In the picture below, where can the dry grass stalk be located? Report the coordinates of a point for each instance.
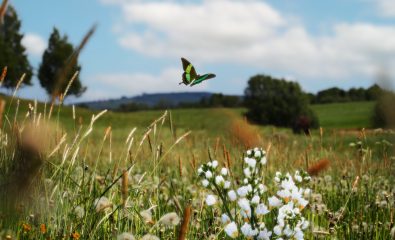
(2, 107)
(3, 75)
(124, 187)
(179, 166)
(3, 10)
(185, 223)
(224, 150)
(355, 183)
(193, 162)
(115, 170)
(318, 167)
(216, 146)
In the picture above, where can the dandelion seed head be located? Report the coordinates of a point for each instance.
(79, 212)
(125, 236)
(102, 203)
(170, 219)
(149, 237)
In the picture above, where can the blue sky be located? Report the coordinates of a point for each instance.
(138, 43)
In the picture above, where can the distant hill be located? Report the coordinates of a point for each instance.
(170, 99)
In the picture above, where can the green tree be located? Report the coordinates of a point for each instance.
(373, 92)
(12, 52)
(277, 102)
(58, 66)
(332, 95)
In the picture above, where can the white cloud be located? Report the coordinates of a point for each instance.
(386, 7)
(124, 84)
(35, 44)
(255, 34)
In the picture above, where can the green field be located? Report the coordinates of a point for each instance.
(345, 115)
(63, 178)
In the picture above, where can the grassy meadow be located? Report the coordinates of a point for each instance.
(76, 174)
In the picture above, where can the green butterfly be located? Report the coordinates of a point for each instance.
(190, 77)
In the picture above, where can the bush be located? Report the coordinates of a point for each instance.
(277, 102)
(383, 112)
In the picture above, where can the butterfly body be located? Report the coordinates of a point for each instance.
(190, 77)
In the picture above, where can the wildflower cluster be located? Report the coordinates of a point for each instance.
(248, 209)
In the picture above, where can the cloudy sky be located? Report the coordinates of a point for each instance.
(138, 43)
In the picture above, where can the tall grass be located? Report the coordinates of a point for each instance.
(91, 181)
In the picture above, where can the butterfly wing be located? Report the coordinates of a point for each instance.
(189, 72)
(184, 79)
(185, 63)
(202, 78)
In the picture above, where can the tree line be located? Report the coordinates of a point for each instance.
(58, 65)
(337, 95)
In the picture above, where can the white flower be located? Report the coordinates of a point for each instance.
(304, 224)
(274, 202)
(214, 163)
(277, 230)
(169, 219)
(262, 188)
(210, 200)
(149, 237)
(307, 193)
(205, 183)
(288, 231)
(302, 203)
(257, 154)
(125, 236)
(284, 194)
(200, 170)
(298, 178)
(263, 162)
(298, 235)
(232, 195)
(247, 172)
(264, 234)
(209, 174)
(102, 203)
(242, 191)
(219, 180)
(288, 183)
(231, 230)
(249, 152)
(244, 204)
(227, 184)
(79, 212)
(224, 171)
(247, 230)
(225, 219)
(250, 162)
(255, 200)
(262, 209)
